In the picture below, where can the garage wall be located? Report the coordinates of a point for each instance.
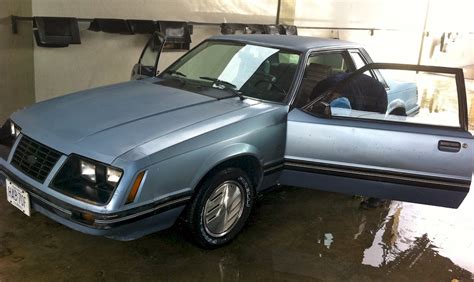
(108, 58)
(403, 21)
(16, 59)
(382, 45)
(456, 17)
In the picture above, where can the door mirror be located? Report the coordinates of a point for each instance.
(147, 66)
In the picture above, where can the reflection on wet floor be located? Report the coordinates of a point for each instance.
(413, 229)
(294, 234)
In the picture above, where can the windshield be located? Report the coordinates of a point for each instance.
(249, 70)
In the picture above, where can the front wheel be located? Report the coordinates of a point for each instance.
(220, 208)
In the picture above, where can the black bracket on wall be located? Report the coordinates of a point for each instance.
(240, 28)
(175, 42)
(60, 31)
(55, 31)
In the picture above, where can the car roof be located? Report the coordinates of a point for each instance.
(292, 42)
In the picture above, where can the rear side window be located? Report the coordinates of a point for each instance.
(288, 58)
(335, 61)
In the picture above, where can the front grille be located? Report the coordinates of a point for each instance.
(34, 159)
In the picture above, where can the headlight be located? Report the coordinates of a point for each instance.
(88, 170)
(8, 133)
(14, 130)
(87, 180)
(113, 175)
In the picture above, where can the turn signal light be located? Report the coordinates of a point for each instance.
(87, 217)
(136, 185)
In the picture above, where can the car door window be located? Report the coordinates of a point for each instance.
(319, 67)
(147, 65)
(428, 96)
(149, 57)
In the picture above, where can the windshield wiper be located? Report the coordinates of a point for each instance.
(224, 85)
(174, 74)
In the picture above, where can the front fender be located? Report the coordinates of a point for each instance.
(227, 153)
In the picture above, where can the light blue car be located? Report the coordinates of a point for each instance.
(233, 117)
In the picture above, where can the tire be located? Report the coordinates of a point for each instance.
(220, 208)
(399, 111)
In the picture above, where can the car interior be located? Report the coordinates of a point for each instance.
(273, 79)
(319, 68)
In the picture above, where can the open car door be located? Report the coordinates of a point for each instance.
(346, 141)
(147, 65)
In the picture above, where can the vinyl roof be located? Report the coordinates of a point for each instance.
(293, 42)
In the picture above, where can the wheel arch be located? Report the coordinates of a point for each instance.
(243, 156)
(396, 105)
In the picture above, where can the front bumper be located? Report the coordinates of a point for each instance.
(124, 225)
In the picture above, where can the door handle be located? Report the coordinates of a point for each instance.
(449, 146)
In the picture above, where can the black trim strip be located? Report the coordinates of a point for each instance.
(156, 207)
(107, 221)
(273, 167)
(378, 175)
(102, 221)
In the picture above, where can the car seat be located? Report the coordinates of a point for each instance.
(314, 73)
(365, 93)
(284, 74)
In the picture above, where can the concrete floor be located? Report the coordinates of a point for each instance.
(294, 234)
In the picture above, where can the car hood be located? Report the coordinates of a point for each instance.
(105, 122)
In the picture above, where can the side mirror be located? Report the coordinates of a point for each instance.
(147, 65)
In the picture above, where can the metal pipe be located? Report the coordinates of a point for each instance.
(424, 32)
(15, 19)
(277, 20)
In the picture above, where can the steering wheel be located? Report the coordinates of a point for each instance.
(271, 84)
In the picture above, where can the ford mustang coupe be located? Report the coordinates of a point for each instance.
(233, 117)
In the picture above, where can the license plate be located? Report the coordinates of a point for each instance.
(18, 197)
